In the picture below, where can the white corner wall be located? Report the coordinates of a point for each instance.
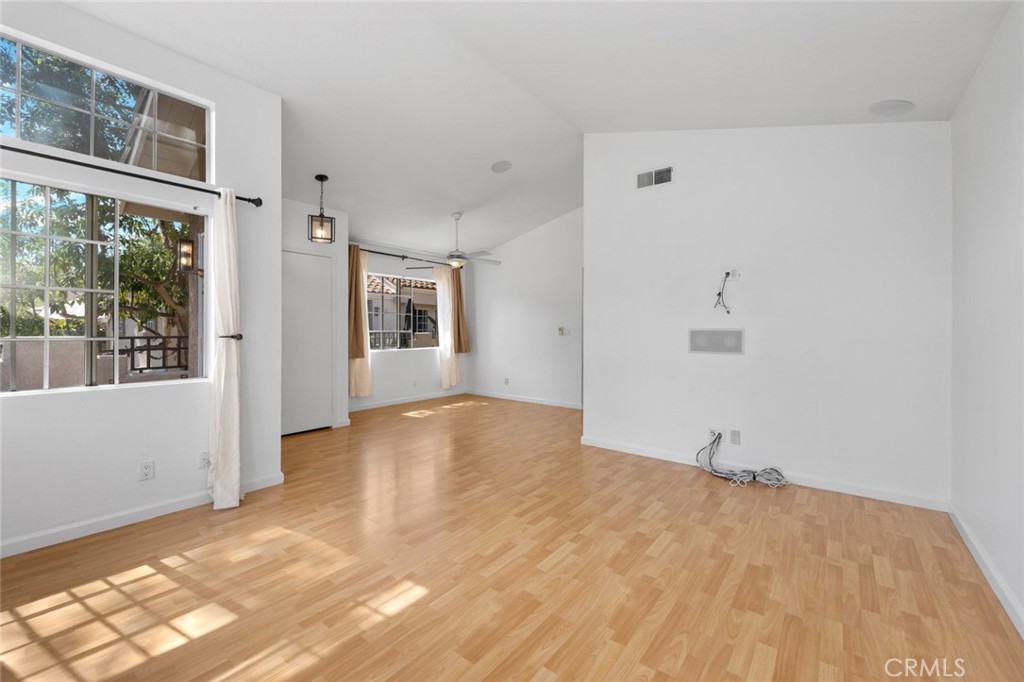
(70, 458)
(295, 238)
(988, 315)
(842, 236)
(519, 307)
(402, 376)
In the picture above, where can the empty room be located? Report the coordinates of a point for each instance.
(349, 341)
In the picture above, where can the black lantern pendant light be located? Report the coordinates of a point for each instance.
(321, 227)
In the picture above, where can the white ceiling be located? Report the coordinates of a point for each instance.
(406, 106)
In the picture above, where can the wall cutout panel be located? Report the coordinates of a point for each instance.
(728, 341)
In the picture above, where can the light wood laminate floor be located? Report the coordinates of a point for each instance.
(470, 538)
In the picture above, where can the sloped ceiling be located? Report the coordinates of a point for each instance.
(406, 106)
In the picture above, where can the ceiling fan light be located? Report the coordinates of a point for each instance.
(456, 261)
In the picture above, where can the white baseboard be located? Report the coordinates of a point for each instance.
(402, 401)
(98, 524)
(809, 480)
(1010, 602)
(527, 399)
(265, 482)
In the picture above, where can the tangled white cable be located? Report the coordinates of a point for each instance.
(770, 476)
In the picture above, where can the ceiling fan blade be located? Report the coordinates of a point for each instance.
(421, 267)
(478, 254)
(489, 261)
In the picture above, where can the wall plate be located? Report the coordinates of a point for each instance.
(721, 341)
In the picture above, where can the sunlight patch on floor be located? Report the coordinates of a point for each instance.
(396, 599)
(105, 627)
(296, 656)
(420, 414)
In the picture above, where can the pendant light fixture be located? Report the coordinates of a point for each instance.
(321, 227)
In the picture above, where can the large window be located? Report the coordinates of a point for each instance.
(50, 100)
(90, 293)
(402, 312)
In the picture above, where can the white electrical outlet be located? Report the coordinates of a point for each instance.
(712, 432)
(204, 460)
(147, 469)
(734, 437)
(734, 274)
(506, 381)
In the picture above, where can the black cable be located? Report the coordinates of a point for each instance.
(255, 201)
(720, 300)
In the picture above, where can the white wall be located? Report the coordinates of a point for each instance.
(70, 459)
(294, 228)
(842, 238)
(988, 315)
(519, 307)
(401, 376)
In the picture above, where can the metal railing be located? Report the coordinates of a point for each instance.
(148, 353)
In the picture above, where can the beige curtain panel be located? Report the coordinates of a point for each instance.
(450, 371)
(356, 305)
(359, 378)
(459, 326)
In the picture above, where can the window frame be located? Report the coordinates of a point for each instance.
(417, 318)
(93, 194)
(207, 148)
(412, 332)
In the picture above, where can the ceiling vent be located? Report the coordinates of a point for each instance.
(654, 177)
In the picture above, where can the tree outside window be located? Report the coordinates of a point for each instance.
(89, 291)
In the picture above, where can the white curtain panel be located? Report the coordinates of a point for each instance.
(224, 480)
(360, 380)
(445, 332)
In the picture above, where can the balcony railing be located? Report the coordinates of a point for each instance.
(148, 353)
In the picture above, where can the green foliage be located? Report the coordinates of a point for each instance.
(150, 289)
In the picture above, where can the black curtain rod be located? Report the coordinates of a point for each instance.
(402, 256)
(255, 201)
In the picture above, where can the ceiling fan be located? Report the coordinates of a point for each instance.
(457, 258)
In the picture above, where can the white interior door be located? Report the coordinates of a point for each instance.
(307, 365)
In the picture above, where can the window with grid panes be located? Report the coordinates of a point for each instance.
(401, 312)
(54, 101)
(89, 292)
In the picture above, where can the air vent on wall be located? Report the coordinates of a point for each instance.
(654, 177)
(728, 341)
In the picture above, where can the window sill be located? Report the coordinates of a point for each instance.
(105, 387)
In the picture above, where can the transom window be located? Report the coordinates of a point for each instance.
(57, 102)
(402, 312)
(90, 293)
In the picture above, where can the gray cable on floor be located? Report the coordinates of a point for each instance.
(770, 476)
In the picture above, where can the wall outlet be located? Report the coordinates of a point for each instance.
(506, 381)
(712, 432)
(734, 437)
(204, 460)
(561, 331)
(734, 274)
(147, 469)
(414, 383)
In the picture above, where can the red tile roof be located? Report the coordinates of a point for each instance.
(375, 286)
